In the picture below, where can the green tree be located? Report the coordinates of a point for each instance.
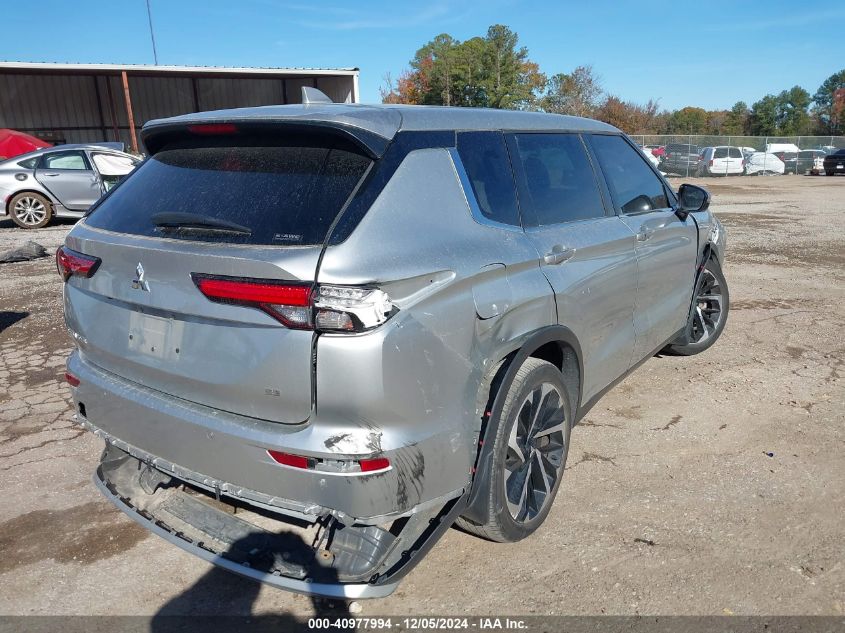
(829, 103)
(792, 113)
(736, 121)
(688, 120)
(763, 120)
(512, 79)
(577, 93)
(784, 114)
(434, 64)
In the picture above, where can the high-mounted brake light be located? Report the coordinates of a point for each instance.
(70, 262)
(296, 305)
(213, 129)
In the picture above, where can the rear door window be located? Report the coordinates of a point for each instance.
(237, 190)
(64, 160)
(721, 152)
(734, 152)
(485, 159)
(633, 185)
(558, 178)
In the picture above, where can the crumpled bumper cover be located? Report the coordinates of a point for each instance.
(324, 557)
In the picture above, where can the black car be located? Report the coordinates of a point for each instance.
(680, 158)
(790, 161)
(835, 163)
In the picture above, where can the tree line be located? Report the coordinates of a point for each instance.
(494, 71)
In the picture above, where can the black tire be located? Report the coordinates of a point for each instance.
(712, 284)
(539, 383)
(829, 172)
(30, 210)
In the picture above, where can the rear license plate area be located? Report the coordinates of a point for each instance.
(155, 337)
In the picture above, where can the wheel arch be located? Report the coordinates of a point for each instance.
(556, 344)
(43, 194)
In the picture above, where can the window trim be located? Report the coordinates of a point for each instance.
(463, 175)
(527, 211)
(472, 201)
(46, 155)
(667, 189)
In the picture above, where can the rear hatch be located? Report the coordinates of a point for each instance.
(224, 207)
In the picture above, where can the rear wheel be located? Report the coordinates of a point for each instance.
(531, 444)
(710, 313)
(829, 172)
(30, 210)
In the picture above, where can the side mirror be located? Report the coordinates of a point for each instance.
(692, 198)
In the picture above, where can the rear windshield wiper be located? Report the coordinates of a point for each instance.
(173, 220)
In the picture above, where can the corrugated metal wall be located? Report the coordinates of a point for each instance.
(89, 108)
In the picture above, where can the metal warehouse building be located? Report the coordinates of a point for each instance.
(77, 103)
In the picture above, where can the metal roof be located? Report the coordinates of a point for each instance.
(149, 69)
(387, 120)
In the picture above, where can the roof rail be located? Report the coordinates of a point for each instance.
(312, 95)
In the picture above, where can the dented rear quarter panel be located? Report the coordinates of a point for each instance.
(416, 379)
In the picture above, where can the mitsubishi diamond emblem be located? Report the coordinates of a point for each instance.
(140, 283)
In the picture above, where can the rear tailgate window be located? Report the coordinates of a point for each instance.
(283, 192)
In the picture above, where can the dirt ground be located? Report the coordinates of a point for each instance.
(705, 485)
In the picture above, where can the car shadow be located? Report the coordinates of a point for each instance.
(224, 601)
(9, 318)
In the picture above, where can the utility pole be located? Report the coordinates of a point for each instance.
(152, 37)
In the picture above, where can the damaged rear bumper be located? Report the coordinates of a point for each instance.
(324, 557)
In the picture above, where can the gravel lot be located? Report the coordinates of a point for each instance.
(705, 485)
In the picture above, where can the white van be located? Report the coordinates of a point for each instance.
(723, 160)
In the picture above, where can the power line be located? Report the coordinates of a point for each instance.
(152, 37)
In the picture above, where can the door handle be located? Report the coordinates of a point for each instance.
(644, 234)
(558, 255)
(51, 175)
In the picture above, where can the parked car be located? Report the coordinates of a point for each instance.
(61, 182)
(834, 163)
(14, 143)
(763, 164)
(364, 323)
(650, 156)
(790, 161)
(722, 160)
(811, 160)
(681, 159)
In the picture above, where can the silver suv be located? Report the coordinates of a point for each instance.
(314, 337)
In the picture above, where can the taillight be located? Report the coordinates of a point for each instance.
(711, 162)
(70, 262)
(290, 304)
(325, 308)
(72, 380)
(348, 309)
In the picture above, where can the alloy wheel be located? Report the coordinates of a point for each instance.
(708, 308)
(536, 448)
(30, 211)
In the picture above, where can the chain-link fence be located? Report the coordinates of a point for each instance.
(710, 155)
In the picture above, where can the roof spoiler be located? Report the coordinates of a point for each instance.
(157, 137)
